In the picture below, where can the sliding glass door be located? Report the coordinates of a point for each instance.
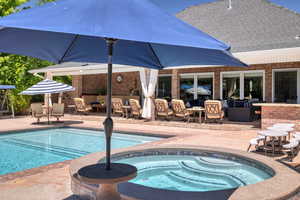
(285, 86)
(196, 86)
(164, 87)
(243, 85)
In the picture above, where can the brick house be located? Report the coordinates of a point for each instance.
(262, 34)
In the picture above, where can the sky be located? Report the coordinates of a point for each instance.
(175, 6)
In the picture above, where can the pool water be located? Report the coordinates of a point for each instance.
(26, 150)
(193, 173)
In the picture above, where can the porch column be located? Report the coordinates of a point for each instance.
(77, 82)
(268, 84)
(217, 85)
(175, 84)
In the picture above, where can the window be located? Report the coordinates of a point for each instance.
(197, 87)
(231, 87)
(187, 88)
(164, 87)
(205, 88)
(253, 86)
(285, 86)
(243, 85)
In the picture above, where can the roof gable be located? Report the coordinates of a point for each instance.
(250, 25)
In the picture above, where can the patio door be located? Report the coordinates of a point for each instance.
(286, 89)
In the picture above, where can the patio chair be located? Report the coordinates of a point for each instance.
(136, 109)
(58, 110)
(213, 110)
(255, 142)
(291, 148)
(296, 135)
(180, 110)
(117, 105)
(162, 108)
(80, 106)
(37, 111)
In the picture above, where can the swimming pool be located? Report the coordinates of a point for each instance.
(194, 172)
(30, 149)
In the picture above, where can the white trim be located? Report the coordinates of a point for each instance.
(213, 87)
(241, 75)
(269, 56)
(195, 87)
(242, 85)
(286, 70)
(164, 75)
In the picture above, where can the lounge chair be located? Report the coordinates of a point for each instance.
(136, 109)
(180, 110)
(255, 142)
(58, 110)
(117, 105)
(80, 106)
(37, 111)
(291, 148)
(213, 110)
(162, 108)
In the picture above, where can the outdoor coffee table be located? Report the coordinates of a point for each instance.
(108, 179)
(197, 109)
(273, 134)
(97, 106)
(126, 109)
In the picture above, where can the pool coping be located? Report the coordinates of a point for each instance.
(284, 184)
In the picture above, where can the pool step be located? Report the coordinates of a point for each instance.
(33, 145)
(183, 178)
(229, 179)
(216, 165)
(158, 167)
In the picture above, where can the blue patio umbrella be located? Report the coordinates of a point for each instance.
(85, 31)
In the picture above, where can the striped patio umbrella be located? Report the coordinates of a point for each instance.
(47, 87)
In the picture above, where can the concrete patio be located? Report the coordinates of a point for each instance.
(39, 183)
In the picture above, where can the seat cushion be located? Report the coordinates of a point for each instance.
(292, 144)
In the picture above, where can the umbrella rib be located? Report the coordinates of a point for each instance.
(69, 48)
(155, 55)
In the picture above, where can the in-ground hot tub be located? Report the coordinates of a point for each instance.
(196, 173)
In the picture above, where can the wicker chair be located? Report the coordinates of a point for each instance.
(80, 106)
(136, 109)
(213, 110)
(37, 111)
(117, 105)
(58, 110)
(180, 110)
(162, 108)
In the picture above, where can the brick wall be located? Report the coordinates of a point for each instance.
(90, 84)
(93, 84)
(273, 115)
(268, 75)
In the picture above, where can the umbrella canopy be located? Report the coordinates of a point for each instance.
(70, 30)
(87, 31)
(47, 87)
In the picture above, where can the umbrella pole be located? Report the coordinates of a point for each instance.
(108, 123)
(48, 113)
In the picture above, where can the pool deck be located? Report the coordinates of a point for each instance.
(40, 183)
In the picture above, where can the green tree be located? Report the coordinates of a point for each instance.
(9, 6)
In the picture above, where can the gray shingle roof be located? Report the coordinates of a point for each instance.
(250, 25)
